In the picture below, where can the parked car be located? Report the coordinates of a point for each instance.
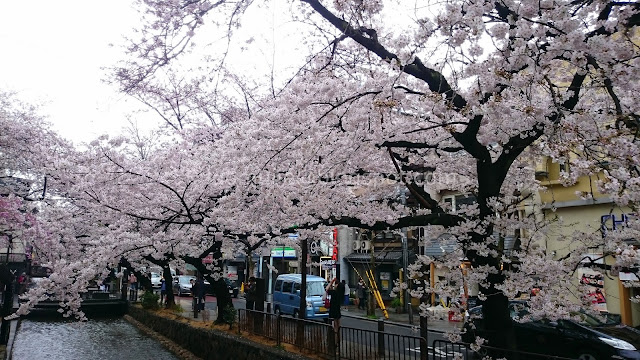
(182, 284)
(286, 296)
(155, 280)
(584, 337)
(233, 288)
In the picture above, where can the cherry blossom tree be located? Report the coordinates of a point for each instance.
(470, 93)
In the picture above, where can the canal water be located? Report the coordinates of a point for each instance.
(104, 339)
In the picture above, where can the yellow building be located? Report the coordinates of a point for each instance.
(569, 211)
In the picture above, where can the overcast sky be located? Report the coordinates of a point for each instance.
(52, 52)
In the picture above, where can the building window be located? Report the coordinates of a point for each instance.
(455, 202)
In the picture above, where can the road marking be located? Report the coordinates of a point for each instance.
(438, 352)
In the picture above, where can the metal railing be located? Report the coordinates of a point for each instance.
(320, 338)
(445, 350)
(305, 334)
(369, 344)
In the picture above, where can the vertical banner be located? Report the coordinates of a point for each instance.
(334, 255)
(594, 281)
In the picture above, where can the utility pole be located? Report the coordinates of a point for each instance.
(405, 261)
(303, 274)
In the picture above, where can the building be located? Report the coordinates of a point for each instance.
(596, 213)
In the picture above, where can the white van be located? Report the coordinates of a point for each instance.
(286, 296)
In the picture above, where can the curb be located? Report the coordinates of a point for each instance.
(444, 328)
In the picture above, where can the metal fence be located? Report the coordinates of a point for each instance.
(369, 344)
(312, 336)
(320, 338)
(352, 343)
(445, 350)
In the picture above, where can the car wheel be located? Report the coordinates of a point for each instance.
(587, 355)
(295, 313)
(179, 292)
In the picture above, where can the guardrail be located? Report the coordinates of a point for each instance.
(320, 338)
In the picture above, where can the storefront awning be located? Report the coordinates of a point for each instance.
(384, 257)
(446, 244)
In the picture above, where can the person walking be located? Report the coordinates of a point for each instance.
(163, 290)
(250, 293)
(336, 291)
(194, 297)
(360, 294)
(133, 287)
(201, 289)
(346, 292)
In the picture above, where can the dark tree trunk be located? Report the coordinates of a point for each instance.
(223, 297)
(495, 309)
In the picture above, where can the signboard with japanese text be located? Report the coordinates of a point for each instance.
(279, 251)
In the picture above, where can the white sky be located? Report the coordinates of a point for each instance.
(51, 53)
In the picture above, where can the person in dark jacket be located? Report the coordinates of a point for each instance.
(250, 293)
(336, 291)
(163, 290)
(361, 290)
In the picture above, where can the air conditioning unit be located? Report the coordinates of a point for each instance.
(356, 245)
(365, 245)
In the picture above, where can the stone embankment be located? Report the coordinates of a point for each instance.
(190, 342)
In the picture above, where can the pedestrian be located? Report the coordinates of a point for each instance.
(336, 291)
(360, 294)
(250, 293)
(133, 286)
(346, 292)
(163, 290)
(201, 290)
(194, 297)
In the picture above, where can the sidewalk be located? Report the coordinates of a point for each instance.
(433, 323)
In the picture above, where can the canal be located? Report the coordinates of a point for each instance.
(94, 339)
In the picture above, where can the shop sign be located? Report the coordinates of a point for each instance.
(327, 264)
(208, 259)
(279, 252)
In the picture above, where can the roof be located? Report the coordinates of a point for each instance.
(442, 245)
(446, 244)
(382, 257)
(299, 277)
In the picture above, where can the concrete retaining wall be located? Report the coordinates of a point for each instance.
(209, 344)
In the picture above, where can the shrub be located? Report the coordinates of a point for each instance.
(177, 308)
(229, 316)
(149, 300)
(396, 302)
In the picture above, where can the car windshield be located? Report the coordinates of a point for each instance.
(155, 275)
(315, 288)
(184, 280)
(586, 319)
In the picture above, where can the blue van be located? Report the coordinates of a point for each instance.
(286, 296)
